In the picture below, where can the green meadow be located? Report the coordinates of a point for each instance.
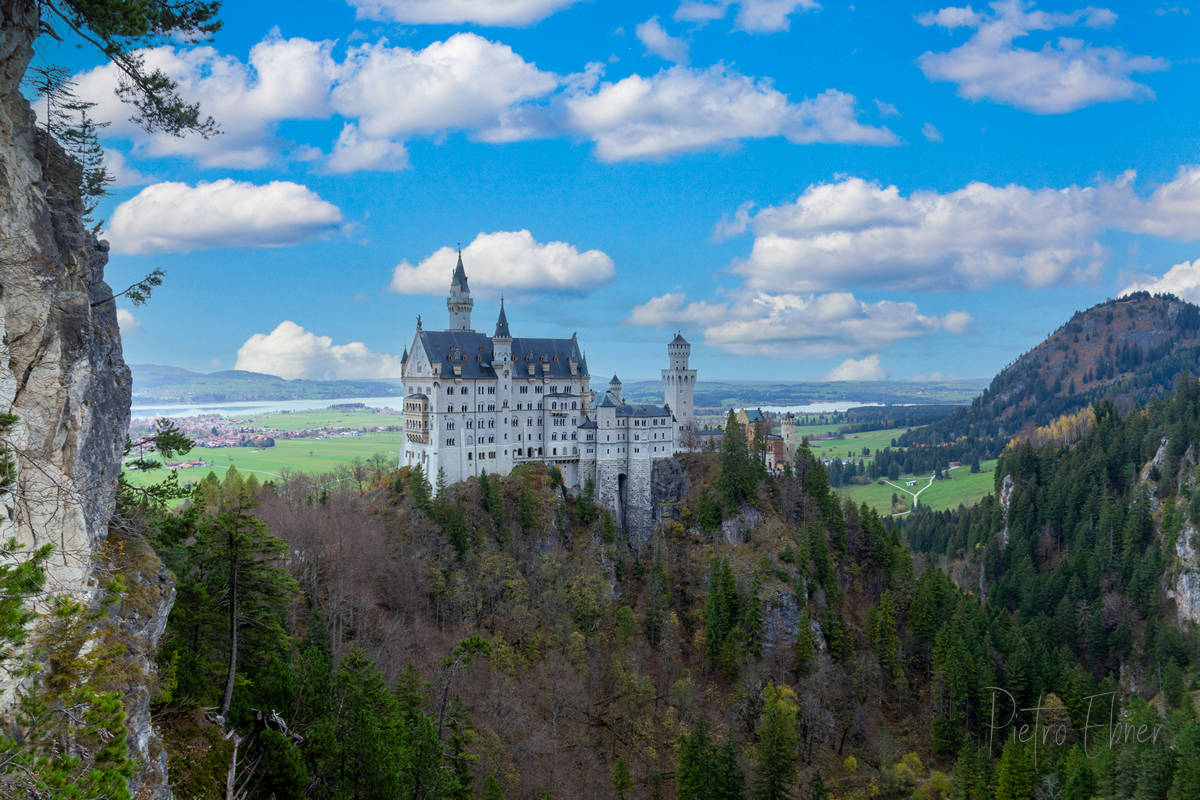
(962, 488)
(315, 456)
(852, 445)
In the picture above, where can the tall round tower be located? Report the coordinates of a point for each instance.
(679, 386)
(459, 302)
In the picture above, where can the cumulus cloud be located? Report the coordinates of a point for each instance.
(1181, 280)
(127, 322)
(456, 12)
(465, 82)
(858, 369)
(353, 152)
(177, 218)
(789, 325)
(291, 352)
(1061, 76)
(282, 79)
(122, 172)
(856, 232)
(662, 44)
(957, 321)
(682, 109)
(753, 16)
(508, 260)
(931, 133)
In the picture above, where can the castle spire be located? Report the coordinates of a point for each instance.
(502, 324)
(459, 302)
(460, 275)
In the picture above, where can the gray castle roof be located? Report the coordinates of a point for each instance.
(473, 352)
(502, 324)
(679, 340)
(460, 275)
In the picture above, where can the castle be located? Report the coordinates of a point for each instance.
(476, 403)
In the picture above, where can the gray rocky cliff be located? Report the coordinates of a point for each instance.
(61, 369)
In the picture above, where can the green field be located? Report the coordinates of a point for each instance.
(963, 488)
(314, 456)
(852, 445)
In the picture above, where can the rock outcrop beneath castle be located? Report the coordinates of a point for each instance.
(61, 372)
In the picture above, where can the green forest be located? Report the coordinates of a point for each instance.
(502, 639)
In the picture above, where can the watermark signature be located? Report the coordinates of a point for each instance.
(1050, 726)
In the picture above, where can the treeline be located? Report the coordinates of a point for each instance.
(498, 638)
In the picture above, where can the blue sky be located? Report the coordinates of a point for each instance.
(807, 190)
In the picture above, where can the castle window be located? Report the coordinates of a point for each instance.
(469, 456)
(449, 443)
(450, 425)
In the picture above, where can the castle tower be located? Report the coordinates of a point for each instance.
(679, 386)
(459, 303)
(614, 389)
(501, 340)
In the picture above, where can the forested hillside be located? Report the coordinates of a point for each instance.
(364, 640)
(1128, 350)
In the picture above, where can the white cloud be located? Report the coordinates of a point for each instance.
(127, 322)
(291, 352)
(455, 12)
(861, 369)
(122, 172)
(1062, 76)
(854, 232)
(282, 79)
(789, 325)
(508, 260)
(1181, 280)
(753, 16)
(886, 109)
(957, 321)
(353, 152)
(662, 44)
(681, 109)
(931, 133)
(465, 82)
(176, 217)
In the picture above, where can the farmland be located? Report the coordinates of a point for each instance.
(960, 488)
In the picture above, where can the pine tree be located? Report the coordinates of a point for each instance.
(244, 562)
(1015, 775)
(735, 482)
(775, 770)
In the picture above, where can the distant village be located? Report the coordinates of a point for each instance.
(216, 431)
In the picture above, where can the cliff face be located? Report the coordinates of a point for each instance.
(61, 369)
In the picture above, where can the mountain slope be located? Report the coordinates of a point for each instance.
(1128, 350)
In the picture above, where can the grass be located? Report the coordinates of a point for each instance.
(314, 456)
(852, 445)
(963, 488)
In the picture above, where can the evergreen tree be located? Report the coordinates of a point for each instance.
(735, 481)
(775, 770)
(1014, 774)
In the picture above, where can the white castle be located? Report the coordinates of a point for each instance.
(476, 403)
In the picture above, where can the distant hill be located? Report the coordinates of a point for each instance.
(727, 394)
(1128, 350)
(153, 383)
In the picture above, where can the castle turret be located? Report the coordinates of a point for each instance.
(679, 387)
(459, 302)
(502, 339)
(614, 389)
